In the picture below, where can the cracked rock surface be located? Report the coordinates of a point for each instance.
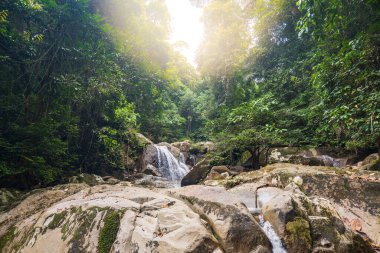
(124, 218)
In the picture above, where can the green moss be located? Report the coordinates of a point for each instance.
(87, 220)
(232, 182)
(7, 237)
(57, 220)
(109, 231)
(298, 235)
(375, 165)
(306, 205)
(338, 171)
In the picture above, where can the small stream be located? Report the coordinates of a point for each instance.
(272, 236)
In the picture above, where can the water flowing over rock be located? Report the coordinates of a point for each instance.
(268, 210)
(182, 158)
(272, 236)
(169, 166)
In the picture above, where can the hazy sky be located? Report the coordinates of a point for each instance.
(186, 26)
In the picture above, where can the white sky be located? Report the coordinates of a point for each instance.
(186, 26)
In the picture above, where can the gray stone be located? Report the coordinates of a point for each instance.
(230, 220)
(151, 170)
(197, 173)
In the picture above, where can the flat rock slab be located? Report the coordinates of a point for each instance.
(148, 222)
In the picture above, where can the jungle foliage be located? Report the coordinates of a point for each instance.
(308, 76)
(78, 79)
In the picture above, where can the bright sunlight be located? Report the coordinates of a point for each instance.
(186, 26)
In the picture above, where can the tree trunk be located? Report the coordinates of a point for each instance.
(255, 153)
(267, 155)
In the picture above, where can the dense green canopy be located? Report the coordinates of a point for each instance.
(309, 76)
(78, 79)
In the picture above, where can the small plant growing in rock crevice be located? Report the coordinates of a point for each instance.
(109, 231)
(85, 218)
(57, 220)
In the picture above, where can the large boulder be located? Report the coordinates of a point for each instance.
(323, 160)
(323, 234)
(202, 147)
(174, 150)
(308, 209)
(183, 146)
(277, 209)
(371, 162)
(151, 170)
(148, 156)
(283, 154)
(197, 173)
(228, 217)
(308, 224)
(110, 219)
(8, 197)
(34, 202)
(352, 194)
(143, 140)
(305, 156)
(312, 161)
(220, 172)
(198, 151)
(90, 179)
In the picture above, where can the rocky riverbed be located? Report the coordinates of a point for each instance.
(310, 209)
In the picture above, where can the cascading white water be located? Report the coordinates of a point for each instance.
(182, 158)
(169, 166)
(272, 236)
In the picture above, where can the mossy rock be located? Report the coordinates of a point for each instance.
(6, 238)
(142, 141)
(196, 149)
(109, 231)
(78, 238)
(298, 238)
(90, 179)
(231, 183)
(375, 165)
(57, 220)
(9, 197)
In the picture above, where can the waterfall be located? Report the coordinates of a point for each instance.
(182, 158)
(272, 236)
(169, 166)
